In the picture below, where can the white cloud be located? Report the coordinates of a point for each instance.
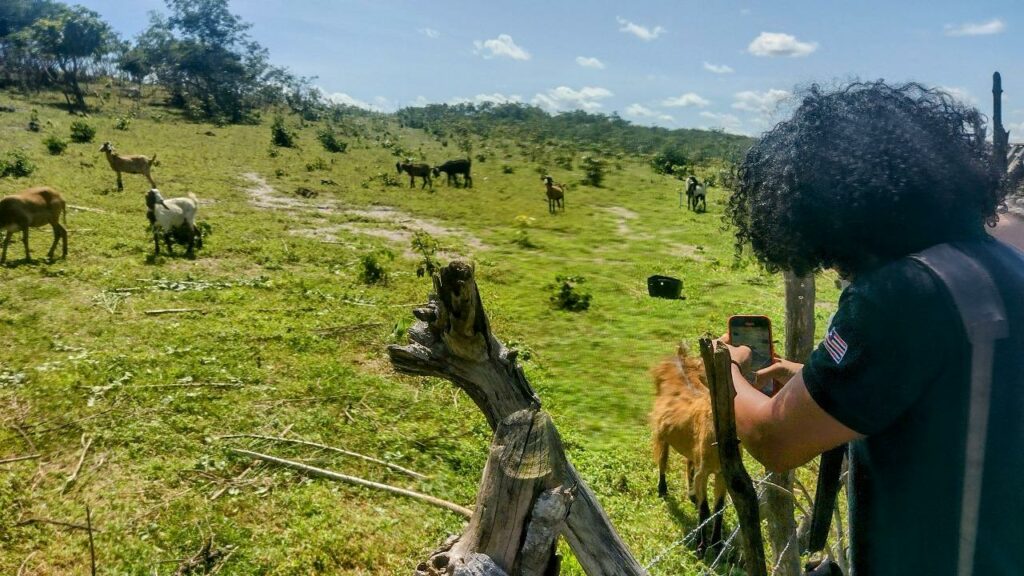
(501, 46)
(590, 62)
(961, 94)
(780, 44)
(718, 68)
(993, 26)
(496, 98)
(430, 33)
(760, 102)
(728, 122)
(641, 32)
(346, 100)
(641, 111)
(684, 100)
(565, 98)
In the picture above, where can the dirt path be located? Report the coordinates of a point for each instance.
(384, 222)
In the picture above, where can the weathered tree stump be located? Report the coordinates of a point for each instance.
(529, 492)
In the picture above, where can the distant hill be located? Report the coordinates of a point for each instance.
(599, 132)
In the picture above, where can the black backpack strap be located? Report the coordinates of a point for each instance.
(984, 319)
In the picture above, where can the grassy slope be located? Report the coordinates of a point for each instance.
(81, 360)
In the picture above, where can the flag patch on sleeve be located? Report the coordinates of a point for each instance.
(835, 345)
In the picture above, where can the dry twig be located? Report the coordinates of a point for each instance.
(161, 311)
(19, 458)
(78, 467)
(320, 472)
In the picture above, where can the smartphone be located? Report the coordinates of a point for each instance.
(754, 332)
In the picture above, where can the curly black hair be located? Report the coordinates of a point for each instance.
(864, 174)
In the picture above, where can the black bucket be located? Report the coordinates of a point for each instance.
(665, 287)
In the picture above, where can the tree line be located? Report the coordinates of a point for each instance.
(199, 53)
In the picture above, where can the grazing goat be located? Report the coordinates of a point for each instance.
(555, 193)
(173, 219)
(695, 194)
(32, 208)
(134, 164)
(452, 169)
(682, 419)
(414, 170)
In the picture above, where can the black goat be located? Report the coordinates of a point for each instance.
(695, 194)
(452, 169)
(414, 170)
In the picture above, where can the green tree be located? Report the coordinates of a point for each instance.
(71, 40)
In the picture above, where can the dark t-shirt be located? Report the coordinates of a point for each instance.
(894, 366)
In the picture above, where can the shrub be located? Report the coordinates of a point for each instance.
(522, 237)
(567, 295)
(593, 170)
(33, 121)
(16, 164)
(330, 141)
(371, 267)
(506, 169)
(280, 135)
(426, 246)
(318, 164)
(564, 162)
(55, 145)
(82, 132)
(123, 123)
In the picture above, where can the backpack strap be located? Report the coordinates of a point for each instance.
(984, 319)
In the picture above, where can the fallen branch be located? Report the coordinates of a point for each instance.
(87, 209)
(190, 385)
(395, 467)
(92, 548)
(19, 458)
(78, 467)
(71, 525)
(320, 472)
(173, 311)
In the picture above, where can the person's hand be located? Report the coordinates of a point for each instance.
(781, 371)
(738, 354)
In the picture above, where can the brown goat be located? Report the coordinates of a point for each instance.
(681, 418)
(414, 170)
(32, 208)
(134, 164)
(555, 193)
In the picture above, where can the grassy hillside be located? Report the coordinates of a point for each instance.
(288, 339)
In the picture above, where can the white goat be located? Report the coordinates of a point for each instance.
(173, 219)
(134, 164)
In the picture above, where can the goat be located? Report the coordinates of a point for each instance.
(414, 170)
(173, 219)
(695, 193)
(32, 208)
(555, 193)
(452, 169)
(682, 419)
(134, 164)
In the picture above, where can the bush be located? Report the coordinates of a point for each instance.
(522, 237)
(426, 246)
(567, 295)
(318, 164)
(16, 164)
(280, 135)
(82, 132)
(593, 170)
(506, 169)
(330, 141)
(33, 121)
(371, 267)
(55, 145)
(123, 123)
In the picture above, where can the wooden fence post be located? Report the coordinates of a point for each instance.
(779, 502)
(718, 366)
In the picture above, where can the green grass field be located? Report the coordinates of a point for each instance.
(295, 342)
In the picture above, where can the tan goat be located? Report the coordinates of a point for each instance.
(32, 208)
(134, 164)
(555, 194)
(681, 418)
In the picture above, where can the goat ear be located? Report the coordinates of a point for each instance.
(682, 350)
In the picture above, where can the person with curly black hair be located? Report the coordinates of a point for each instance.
(857, 180)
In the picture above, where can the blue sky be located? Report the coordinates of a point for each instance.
(682, 63)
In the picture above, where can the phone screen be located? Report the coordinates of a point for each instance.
(754, 332)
